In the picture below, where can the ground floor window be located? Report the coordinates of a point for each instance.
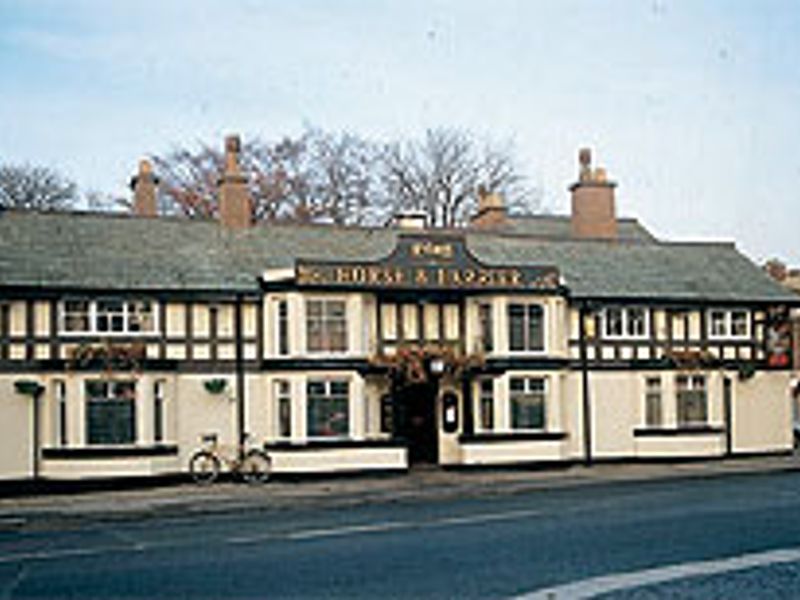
(387, 414)
(652, 402)
(159, 402)
(692, 399)
(110, 412)
(283, 405)
(328, 408)
(527, 399)
(486, 400)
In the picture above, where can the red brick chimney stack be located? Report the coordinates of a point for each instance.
(593, 206)
(491, 210)
(144, 185)
(235, 204)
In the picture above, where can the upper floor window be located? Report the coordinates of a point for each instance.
(727, 324)
(628, 322)
(525, 327)
(326, 326)
(108, 316)
(282, 330)
(485, 327)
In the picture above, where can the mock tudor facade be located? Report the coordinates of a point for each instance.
(529, 339)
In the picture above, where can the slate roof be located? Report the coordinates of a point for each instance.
(122, 252)
(559, 227)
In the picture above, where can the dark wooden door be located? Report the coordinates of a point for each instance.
(416, 409)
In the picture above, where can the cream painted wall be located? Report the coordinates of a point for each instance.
(762, 413)
(16, 429)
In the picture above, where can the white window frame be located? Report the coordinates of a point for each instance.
(527, 391)
(347, 324)
(526, 351)
(691, 380)
(279, 395)
(646, 396)
(625, 318)
(327, 382)
(728, 324)
(93, 318)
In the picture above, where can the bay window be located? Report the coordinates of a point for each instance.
(328, 408)
(527, 397)
(525, 328)
(326, 326)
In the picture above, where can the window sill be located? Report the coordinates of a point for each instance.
(334, 443)
(521, 436)
(678, 431)
(95, 452)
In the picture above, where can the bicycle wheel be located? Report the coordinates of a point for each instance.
(256, 467)
(204, 467)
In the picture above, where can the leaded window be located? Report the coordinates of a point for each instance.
(108, 316)
(627, 322)
(486, 399)
(486, 327)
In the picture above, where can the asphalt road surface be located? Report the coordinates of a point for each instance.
(733, 537)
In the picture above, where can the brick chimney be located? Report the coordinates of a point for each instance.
(491, 210)
(144, 185)
(235, 205)
(593, 211)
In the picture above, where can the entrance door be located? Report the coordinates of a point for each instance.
(416, 421)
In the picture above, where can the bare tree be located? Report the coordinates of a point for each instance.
(346, 179)
(34, 187)
(441, 173)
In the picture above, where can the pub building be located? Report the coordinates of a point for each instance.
(518, 339)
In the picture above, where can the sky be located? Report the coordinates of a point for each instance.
(693, 107)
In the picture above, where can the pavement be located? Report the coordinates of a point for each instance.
(422, 484)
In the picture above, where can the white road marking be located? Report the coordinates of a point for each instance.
(62, 553)
(588, 588)
(308, 534)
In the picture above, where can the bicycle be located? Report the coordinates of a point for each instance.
(253, 465)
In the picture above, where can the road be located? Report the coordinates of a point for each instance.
(732, 537)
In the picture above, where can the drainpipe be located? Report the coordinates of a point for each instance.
(36, 441)
(239, 374)
(586, 399)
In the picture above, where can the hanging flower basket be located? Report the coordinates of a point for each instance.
(746, 370)
(215, 387)
(27, 387)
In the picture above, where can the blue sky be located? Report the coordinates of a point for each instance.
(693, 107)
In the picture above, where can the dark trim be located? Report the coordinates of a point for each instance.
(188, 327)
(311, 364)
(30, 328)
(92, 452)
(313, 445)
(240, 388)
(213, 329)
(499, 365)
(162, 324)
(680, 304)
(5, 325)
(159, 294)
(677, 431)
(522, 436)
(586, 402)
(260, 330)
(54, 338)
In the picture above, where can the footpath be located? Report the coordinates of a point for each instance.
(427, 484)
